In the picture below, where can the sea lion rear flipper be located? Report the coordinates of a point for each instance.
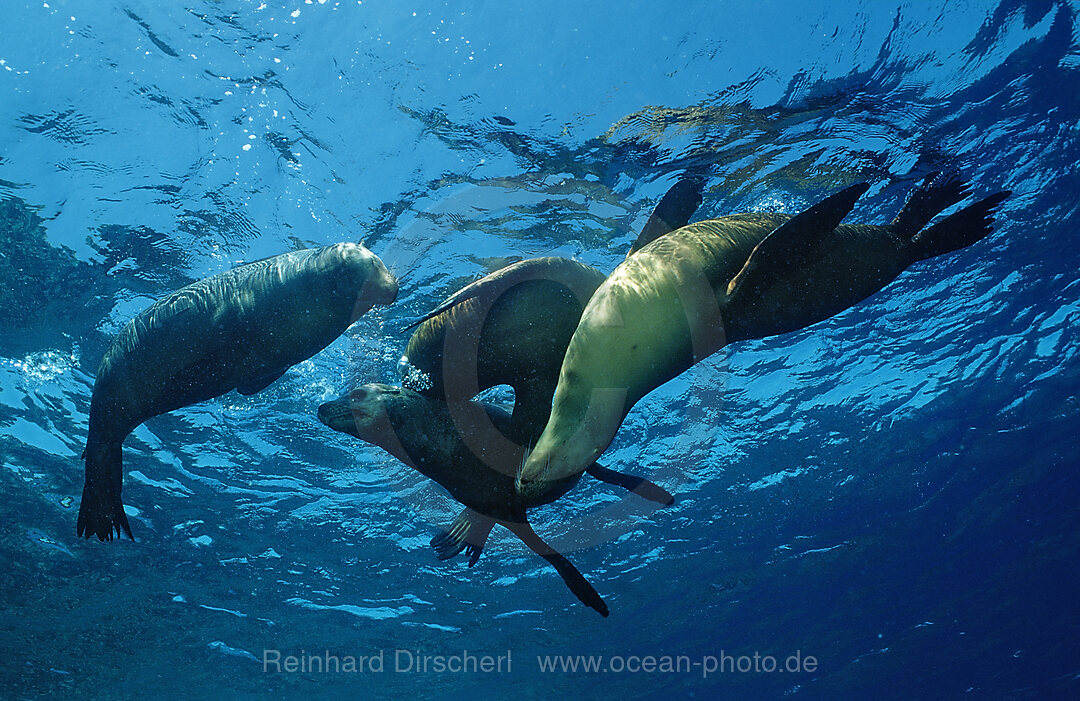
(256, 384)
(782, 248)
(958, 230)
(672, 212)
(632, 483)
(468, 532)
(935, 194)
(101, 511)
(574, 580)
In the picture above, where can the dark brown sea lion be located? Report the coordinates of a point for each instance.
(426, 435)
(241, 329)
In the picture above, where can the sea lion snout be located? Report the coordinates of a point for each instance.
(341, 416)
(387, 291)
(333, 413)
(381, 286)
(362, 412)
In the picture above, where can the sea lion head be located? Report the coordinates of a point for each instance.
(356, 273)
(402, 422)
(364, 412)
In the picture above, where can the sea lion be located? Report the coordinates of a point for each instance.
(241, 329)
(509, 328)
(423, 433)
(512, 327)
(690, 292)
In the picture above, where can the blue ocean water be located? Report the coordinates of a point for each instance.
(888, 492)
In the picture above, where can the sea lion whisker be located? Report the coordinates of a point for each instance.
(393, 268)
(521, 466)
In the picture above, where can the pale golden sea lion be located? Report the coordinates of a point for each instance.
(690, 292)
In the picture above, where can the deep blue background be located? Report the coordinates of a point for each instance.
(892, 491)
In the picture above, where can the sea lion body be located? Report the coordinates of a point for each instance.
(241, 329)
(424, 434)
(509, 328)
(441, 443)
(460, 446)
(637, 336)
(689, 293)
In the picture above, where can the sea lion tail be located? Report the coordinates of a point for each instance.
(101, 511)
(936, 193)
(468, 532)
(574, 579)
(632, 483)
(958, 230)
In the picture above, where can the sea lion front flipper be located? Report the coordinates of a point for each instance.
(632, 483)
(574, 579)
(468, 532)
(782, 248)
(494, 283)
(672, 212)
(256, 384)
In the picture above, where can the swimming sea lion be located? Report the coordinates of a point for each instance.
(423, 433)
(241, 329)
(509, 328)
(743, 276)
(512, 327)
